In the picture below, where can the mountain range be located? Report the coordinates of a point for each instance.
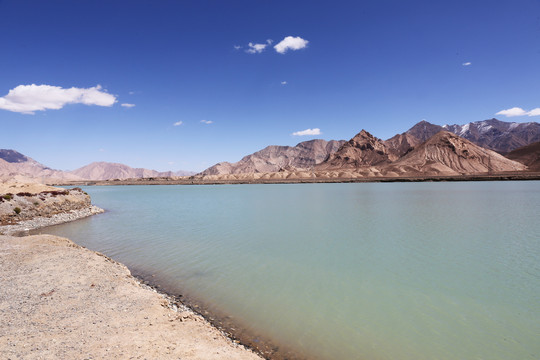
(108, 171)
(476, 147)
(365, 150)
(16, 166)
(274, 158)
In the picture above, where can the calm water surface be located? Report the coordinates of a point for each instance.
(343, 271)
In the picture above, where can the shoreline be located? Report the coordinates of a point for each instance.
(515, 176)
(42, 221)
(232, 330)
(68, 301)
(235, 331)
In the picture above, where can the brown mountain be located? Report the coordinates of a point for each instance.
(109, 171)
(528, 155)
(500, 136)
(405, 142)
(16, 166)
(446, 153)
(362, 150)
(492, 134)
(303, 156)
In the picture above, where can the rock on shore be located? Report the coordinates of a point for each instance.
(62, 301)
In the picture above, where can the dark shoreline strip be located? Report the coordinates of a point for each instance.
(171, 181)
(259, 344)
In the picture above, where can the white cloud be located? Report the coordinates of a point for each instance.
(468, 63)
(283, 83)
(290, 43)
(27, 99)
(534, 112)
(258, 48)
(516, 111)
(315, 131)
(128, 105)
(237, 47)
(178, 123)
(207, 121)
(131, 92)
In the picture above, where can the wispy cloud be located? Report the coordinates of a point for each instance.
(258, 48)
(128, 105)
(207, 121)
(131, 92)
(290, 43)
(315, 131)
(283, 83)
(468, 63)
(178, 123)
(27, 99)
(517, 111)
(237, 47)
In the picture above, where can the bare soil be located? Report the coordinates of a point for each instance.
(63, 301)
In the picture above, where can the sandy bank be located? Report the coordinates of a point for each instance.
(62, 301)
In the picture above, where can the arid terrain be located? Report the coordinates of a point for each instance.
(62, 301)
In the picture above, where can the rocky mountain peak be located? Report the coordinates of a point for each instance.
(363, 149)
(446, 153)
(12, 156)
(305, 155)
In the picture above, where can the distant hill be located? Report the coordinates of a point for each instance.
(405, 142)
(493, 134)
(528, 155)
(109, 171)
(500, 136)
(362, 150)
(446, 153)
(16, 166)
(273, 158)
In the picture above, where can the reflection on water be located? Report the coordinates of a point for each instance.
(342, 271)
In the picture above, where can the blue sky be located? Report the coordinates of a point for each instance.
(348, 65)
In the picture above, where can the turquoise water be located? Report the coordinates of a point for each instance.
(342, 271)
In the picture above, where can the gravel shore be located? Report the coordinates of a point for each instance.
(42, 221)
(63, 301)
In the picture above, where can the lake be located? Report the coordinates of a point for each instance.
(341, 271)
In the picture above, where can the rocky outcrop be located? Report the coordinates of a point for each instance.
(362, 150)
(528, 155)
(304, 155)
(448, 154)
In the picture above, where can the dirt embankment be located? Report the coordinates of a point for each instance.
(29, 206)
(62, 301)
